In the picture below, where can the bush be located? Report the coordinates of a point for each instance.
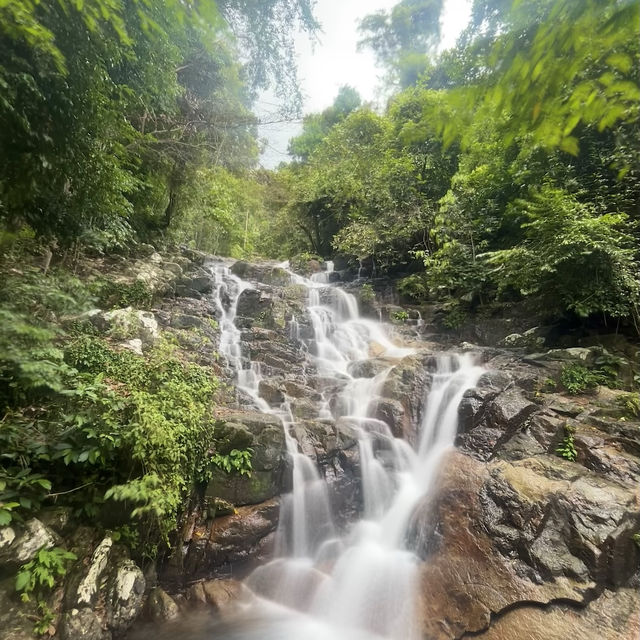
(367, 294)
(577, 378)
(116, 295)
(573, 256)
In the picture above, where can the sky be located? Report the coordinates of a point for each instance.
(334, 61)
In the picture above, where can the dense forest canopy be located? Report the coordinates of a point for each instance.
(505, 168)
(130, 121)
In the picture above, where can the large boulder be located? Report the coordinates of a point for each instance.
(242, 537)
(262, 433)
(19, 544)
(266, 274)
(503, 535)
(611, 616)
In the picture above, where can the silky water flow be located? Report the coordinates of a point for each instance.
(326, 583)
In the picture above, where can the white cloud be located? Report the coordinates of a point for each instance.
(335, 61)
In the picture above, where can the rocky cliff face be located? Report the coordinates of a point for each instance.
(516, 537)
(516, 542)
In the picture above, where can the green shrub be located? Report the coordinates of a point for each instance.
(37, 577)
(567, 448)
(116, 295)
(367, 294)
(399, 317)
(414, 287)
(237, 460)
(630, 402)
(576, 378)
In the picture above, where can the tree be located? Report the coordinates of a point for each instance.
(404, 37)
(316, 126)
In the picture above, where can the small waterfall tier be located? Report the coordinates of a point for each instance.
(330, 578)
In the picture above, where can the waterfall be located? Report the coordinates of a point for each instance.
(359, 583)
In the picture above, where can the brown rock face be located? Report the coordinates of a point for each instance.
(238, 538)
(613, 616)
(506, 535)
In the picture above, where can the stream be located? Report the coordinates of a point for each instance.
(326, 581)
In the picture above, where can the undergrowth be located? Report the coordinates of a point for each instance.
(120, 438)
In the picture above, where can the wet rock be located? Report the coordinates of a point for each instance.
(407, 384)
(161, 607)
(297, 390)
(304, 409)
(392, 413)
(367, 368)
(272, 391)
(257, 307)
(82, 624)
(238, 538)
(222, 595)
(267, 274)
(200, 283)
(292, 584)
(612, 616)
(468, 576)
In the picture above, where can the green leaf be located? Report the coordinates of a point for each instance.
(22, 580)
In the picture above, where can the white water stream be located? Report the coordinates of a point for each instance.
(360, 583)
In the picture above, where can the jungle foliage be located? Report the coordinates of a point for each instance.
(113, 110)
(506, 168)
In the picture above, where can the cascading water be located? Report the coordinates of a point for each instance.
(360, 583)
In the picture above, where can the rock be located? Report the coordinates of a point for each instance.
(185, 292)
(201, 283)
(304, 409)
(193, 255)
(82, 624)
(267, 274)
(185, 321)
(145, 250)
(134, 346)
(127, 323)
(292, 584)
(222, 595)
(614, 615)
(509, 410)
(297, 390)
(487, 425)
(161, 607)
(392, 413)
(407, 384)
(58, 519)
(477, 560)
(19, 545)
(265, 435)
(367, 368)
(241, 537)
(271, 391)
(581, 354)
(16, 618)
(88, 588)
(124, 594)
(530, 340)
(173, 268)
